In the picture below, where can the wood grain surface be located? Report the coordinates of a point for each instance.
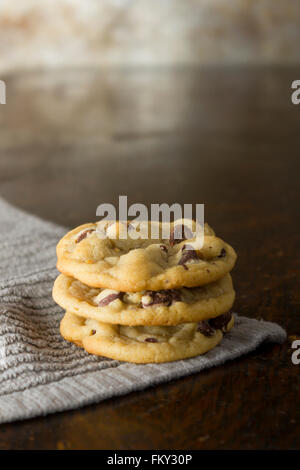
(226, 137)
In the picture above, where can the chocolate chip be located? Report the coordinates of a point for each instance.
(163, 248)
(151, 340)
(110, 298)
(223, 253)
(205, 329)
(84, 234)
(93, 332)
(221, 321)
(178, 234)
(165, 297)
(189, 254)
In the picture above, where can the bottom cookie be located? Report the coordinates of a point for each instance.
(144, 344)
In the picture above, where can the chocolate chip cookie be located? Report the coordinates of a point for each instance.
(163, 307)
(132, 265)
(144, 344)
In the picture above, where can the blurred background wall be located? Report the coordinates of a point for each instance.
(36, 33)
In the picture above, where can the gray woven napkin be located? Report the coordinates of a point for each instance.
(41, 373)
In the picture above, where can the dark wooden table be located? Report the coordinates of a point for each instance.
(226, 137)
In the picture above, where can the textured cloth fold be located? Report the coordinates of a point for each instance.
(41, 373)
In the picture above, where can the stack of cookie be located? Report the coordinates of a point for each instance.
(144, 300)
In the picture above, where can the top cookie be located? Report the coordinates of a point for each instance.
(132, 265)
